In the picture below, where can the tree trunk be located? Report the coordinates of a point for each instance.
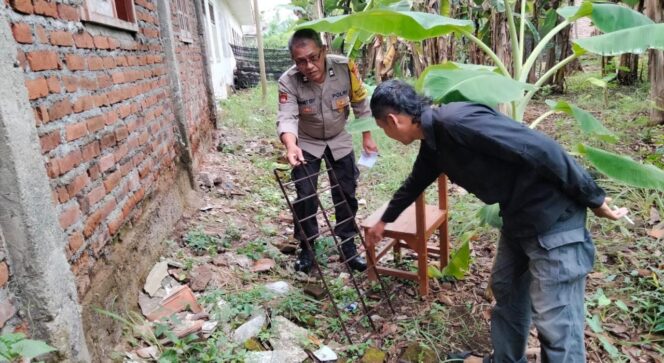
(628, 71)
(261, 55)
(500, 41)
(655, 10)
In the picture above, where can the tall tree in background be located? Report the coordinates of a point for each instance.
(655, 11)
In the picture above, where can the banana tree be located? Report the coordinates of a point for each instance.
(624, 31)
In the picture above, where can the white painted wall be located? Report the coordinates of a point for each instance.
(221, 34)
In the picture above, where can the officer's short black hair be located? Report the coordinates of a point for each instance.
(304, 34)
(397, 96)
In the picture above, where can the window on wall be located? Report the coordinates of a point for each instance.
(214, 31)
(184, 20)
(115, 13)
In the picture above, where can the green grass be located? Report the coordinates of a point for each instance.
(619, 246)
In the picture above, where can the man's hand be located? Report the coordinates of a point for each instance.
(294, 155)
(293, 152)
(375, 234)
(604, 211)
(368, 144)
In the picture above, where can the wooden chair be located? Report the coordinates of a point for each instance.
(412, 230)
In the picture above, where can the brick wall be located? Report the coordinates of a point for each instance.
(190, 66)
(103, 110)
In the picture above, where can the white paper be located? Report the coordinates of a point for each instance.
(367, 159)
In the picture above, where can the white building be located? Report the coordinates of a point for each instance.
(225, 19)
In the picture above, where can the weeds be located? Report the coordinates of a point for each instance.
(201, 242)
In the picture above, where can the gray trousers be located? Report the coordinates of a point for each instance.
(541, 279)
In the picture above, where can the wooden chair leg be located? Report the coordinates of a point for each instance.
(444, 245)
(422, 261)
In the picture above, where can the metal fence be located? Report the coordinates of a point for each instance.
(247, 74)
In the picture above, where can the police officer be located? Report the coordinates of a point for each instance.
(315, 97)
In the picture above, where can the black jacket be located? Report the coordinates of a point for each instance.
(500, 161)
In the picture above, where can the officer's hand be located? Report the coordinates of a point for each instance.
(375, 234)
(294, 155)
(368, 144)
(604, 211)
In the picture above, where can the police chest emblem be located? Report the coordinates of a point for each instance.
(283, 97)
(331, 72)
(341, 103)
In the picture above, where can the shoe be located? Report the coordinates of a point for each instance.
(305, 261)
(468, 357)
(357, 263)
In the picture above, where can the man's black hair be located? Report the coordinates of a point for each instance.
(397, 96)
(304, 34)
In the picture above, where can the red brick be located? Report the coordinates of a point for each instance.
(4, 274)
(22, 33)
(121, 152)
(108, 208)
(68, 12)
(94, 172)
(104, 81)
(111, 181)
(101, 100)
(71, 83)
(95, 195)
(69, 161)
(121, 133)
(84, 40)
(42, 60)
(127, 167)
(47, 8)
(42, 114)
(95, 63)
(75, 242)
(22, 6)
(90, 151)
(54, 84)
(101, 42)
(111, 117)
(96, 123)
(88, 83)
(118, 77)
(76, 131)
(60, 109)
(92, 223)
(113, 43)
(84, 103)
(107, 140)
(37, 88)
(62, 194)
(109, 62)
(62, 38)
(49, 141)
(75, 62)
(77, 184)
(106, 162)
(115, 224)
(53, 169)
(69, 216)
(41, 34)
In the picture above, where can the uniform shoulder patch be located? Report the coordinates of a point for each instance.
(283, 97)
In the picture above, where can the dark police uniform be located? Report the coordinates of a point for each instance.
(317, 115)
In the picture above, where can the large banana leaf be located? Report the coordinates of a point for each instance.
(612, 17)
(409, 25)
(419, 85)
(631, 40)
(606, 17)
(481, 86)
(586, 121)
(624, 169)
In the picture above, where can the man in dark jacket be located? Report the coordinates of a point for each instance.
(545, 251)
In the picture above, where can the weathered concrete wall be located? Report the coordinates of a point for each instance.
(34, 241)
(103, 127)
